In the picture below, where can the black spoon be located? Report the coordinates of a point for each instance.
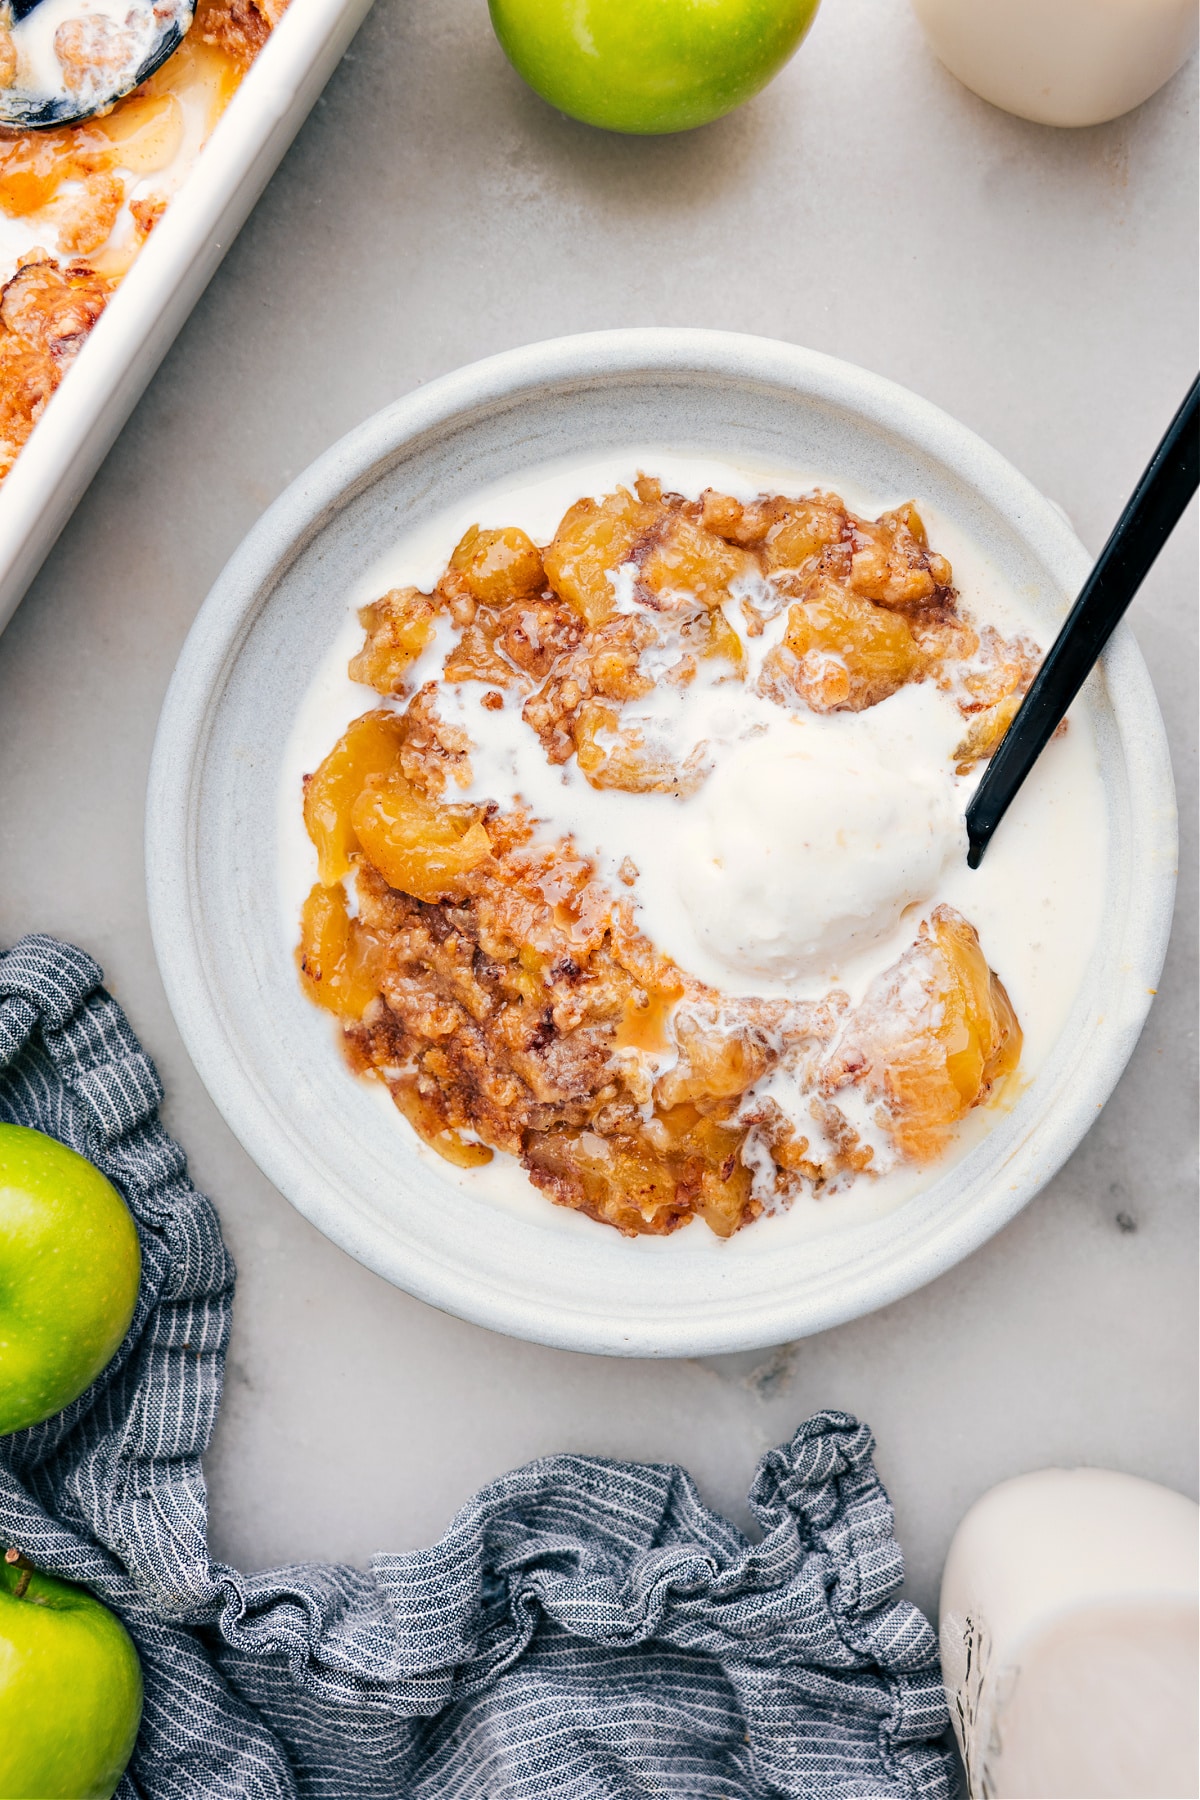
(62, 63)
(1141, 531)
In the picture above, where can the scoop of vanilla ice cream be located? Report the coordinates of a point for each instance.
(809, 839)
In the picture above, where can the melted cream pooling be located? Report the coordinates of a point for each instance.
(157, 136)
(125, 36)
(1036, 902)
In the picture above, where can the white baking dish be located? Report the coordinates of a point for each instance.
(139, 323)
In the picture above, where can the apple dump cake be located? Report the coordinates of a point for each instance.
(78, 201)
(746, 987)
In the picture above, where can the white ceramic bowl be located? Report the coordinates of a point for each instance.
(267, 1055)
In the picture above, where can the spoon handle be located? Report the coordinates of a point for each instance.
(1143, 528)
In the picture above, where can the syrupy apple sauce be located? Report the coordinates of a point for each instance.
(87, 198)
(504, 993)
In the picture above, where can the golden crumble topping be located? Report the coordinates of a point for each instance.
(504, 993)
(46, 312)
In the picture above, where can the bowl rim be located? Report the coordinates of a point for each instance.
(299, 515)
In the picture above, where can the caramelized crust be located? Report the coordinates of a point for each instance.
(52, 308)
(46, 312)
(496, 986)
(239, 28)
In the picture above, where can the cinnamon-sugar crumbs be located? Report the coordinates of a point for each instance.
(504, 994)
(146, 213)
(239, 28)
(88, 217)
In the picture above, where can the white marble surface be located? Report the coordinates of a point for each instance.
(1040, 286)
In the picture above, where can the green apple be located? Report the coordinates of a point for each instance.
(70, 1690)
(649, 65)
(69, 1271)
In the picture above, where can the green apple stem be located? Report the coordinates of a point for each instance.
(26, 1568)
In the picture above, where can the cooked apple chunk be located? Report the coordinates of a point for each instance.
(495, 567)
(937, 1032)
(339, 960)
(592, 544)
(399, 627)
(612, 756)
(843, 652)
(418, 847)
(368, 748)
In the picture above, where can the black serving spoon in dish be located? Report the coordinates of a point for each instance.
(1145, 525)
(64, 61)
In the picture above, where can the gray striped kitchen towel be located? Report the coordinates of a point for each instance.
(586, 1630)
